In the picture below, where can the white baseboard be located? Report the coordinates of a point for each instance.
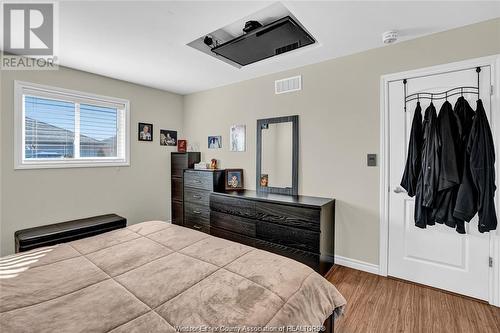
(356, 264)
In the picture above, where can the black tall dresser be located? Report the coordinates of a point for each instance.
(180, 162)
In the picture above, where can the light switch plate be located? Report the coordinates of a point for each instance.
(371, 160)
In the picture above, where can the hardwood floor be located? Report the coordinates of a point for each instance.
(380, 304)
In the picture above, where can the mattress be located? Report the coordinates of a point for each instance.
(159, 277)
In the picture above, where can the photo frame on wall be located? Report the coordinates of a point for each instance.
(214, 142)
(168, 138)
(145, 132)
(234, 180)
(237, 138)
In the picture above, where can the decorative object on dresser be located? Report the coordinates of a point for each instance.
(145, 132)
(168, 138)
(278, 155)
(298, 227)
(234, 180)
(179, 162)
(181, 146)
(237, 138)
(198, 184)
(51, 234)
(213, 163)
(202, 166)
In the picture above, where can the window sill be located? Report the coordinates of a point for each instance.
(72, 164)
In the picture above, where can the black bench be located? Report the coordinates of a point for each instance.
(28, 239)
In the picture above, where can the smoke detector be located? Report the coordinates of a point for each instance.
(390, 37)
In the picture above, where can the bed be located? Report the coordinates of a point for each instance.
(159, 277)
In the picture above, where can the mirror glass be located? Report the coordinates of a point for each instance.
(277, 147)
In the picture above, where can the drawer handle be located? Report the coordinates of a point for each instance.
(196, 227)
(197, 181)
(196, 196)
(196, 212)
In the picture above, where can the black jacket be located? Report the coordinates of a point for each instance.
(465, 116)
(413, 159)
(427, 184)
(477, 191)
(449, 176)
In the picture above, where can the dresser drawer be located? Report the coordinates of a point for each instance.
(233, 223)
(199, 179)
(198, 226)
(196, 196)
(196, 217)
(177, 189)
(177, 212)
(195, 213)
(232, 206)
(179, 162)
(293, 216)
(292, 237)
(307, 258)
(232, 236)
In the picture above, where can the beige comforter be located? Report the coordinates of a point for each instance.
(158, 277)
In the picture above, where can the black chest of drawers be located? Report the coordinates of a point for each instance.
(298, 227)
(180, 162)
(198, 184)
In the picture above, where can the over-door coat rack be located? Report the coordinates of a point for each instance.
(443, 95)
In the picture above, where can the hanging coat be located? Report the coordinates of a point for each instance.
(449, 177)
(413, 159)
(427, 183)
(465, 116)
(477, 193)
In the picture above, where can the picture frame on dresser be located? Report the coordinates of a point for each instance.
(234, 180)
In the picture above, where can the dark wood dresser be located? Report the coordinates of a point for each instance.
(298, 227)
(198, 184)
(179, 162)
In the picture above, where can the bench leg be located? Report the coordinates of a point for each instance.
(329, 325)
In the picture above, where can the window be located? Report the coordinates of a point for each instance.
(62, 128)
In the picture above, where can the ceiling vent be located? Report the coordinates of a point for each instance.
(288, 85)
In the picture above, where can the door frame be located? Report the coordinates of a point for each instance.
(494, 62)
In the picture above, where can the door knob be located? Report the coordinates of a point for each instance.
(399, 189)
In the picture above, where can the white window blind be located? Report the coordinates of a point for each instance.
(61, 128)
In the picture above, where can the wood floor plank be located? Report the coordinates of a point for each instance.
(380, 304)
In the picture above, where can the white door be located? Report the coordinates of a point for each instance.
(437, 256)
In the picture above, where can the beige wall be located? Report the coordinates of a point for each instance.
(338, 112)
(140, 192)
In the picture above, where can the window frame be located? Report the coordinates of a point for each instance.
(44, 91)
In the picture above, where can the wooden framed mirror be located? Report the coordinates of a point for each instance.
(278, 155)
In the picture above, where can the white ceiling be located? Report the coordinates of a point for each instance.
(145, 42)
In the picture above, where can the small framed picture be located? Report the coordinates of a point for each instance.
(264, 180)
(168, 138)
(181, 146)
(215, 142)
(145, 132)
(234, 180)
(237, 138)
